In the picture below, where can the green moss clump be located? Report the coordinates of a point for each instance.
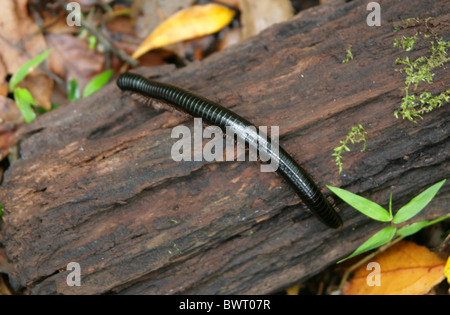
(421, 70)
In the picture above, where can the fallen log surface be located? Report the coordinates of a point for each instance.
(95, 183)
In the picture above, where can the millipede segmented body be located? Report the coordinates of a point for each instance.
(217, 115)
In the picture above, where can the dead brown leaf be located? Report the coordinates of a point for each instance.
(258, 15)
(57, 23)
(3, 83)
(10, 116)
(40, 86)
(405, 269)
(4, 87)
(7, 140)
(20, 38)
(9, 113)
(4, 290)
(231, 3)
(72, 58)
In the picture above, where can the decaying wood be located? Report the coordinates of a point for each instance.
(96, 184)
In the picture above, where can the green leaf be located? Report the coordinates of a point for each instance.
(390, 205)
(73, 90)
(417, 226)
(1, 212)
(380, 238)
(92, 42)
(26, 69)
(363, 205)
(417, 203)
(97, 83)
(24, 100)
(412, 228)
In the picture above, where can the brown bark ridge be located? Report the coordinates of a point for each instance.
(95, 183)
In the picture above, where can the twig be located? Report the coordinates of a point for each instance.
(103, 39)
(107, 44)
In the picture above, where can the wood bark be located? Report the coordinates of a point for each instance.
(95, 183)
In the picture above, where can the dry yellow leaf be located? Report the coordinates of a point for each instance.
(447, 270)
(403, 269)
(294, 290)
(197, 21)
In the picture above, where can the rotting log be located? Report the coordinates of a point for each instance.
(95, 182)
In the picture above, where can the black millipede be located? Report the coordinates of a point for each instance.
(217, 115)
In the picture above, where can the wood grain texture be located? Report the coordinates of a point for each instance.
(96, 183)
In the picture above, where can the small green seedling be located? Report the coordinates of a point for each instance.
(73, 90)
(23, 97)
(92, 40)
(349, 55)
(378, 213)
(27, 68)
(24, 100)
(97, 83)
(357, 134)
